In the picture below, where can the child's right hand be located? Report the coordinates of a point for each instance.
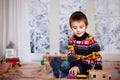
(74, 70)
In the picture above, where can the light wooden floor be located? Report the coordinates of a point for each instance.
(113, 68)
(27, 68)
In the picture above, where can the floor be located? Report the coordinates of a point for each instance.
(28, 68)
(113, 68)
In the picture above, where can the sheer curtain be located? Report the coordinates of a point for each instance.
(16, 28)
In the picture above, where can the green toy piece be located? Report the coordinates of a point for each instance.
(42, 62)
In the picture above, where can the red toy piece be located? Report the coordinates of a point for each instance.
(14, 61)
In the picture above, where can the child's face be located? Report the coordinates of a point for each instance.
(78, 28)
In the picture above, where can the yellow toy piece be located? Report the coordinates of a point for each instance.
(63, 54)
(81, 76)
(47, 54)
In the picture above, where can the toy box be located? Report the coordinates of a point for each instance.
(99, 75)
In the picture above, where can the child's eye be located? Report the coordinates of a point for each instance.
(81, 27)
(74, 27)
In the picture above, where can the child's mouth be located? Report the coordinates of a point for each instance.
(78, 33)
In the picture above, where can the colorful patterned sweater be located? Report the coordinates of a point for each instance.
(84, 49)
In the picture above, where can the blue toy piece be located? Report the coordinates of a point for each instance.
(71, 76)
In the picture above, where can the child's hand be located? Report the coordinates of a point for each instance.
(74, 70)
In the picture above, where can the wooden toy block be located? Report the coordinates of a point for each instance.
(99, 75)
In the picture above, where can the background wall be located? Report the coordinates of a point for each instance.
(39, 26)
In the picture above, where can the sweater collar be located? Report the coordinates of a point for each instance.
(83, 37)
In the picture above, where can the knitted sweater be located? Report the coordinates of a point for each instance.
(84, 49)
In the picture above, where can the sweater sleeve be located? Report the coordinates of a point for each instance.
(94, 49)
(71, 54)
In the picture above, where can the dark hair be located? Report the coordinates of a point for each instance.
(76, 16)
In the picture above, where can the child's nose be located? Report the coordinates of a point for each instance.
(78, 29)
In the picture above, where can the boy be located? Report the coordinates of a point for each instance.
(83, 50)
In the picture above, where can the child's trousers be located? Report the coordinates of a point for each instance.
(60, 67)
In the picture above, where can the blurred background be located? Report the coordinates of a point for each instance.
(39, 26)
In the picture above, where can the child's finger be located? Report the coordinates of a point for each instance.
(75, 72)
(78, 70)
(71, 71)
